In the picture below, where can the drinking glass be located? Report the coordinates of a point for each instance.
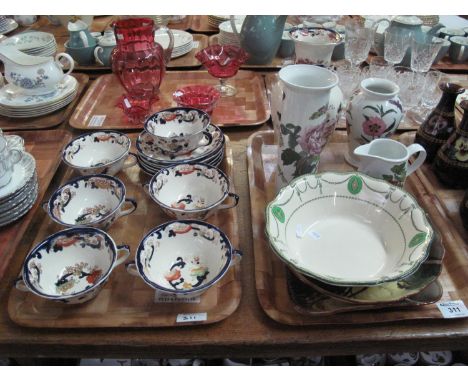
(358, 41)
(395, 46)
(423, 52)
(431, 95)
(350, 77)
(379, 67)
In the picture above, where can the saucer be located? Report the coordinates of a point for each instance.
(21, 209)
(10, 26)
(23, 171)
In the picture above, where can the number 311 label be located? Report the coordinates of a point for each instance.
(453, 309)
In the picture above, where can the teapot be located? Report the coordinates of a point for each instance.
(260, 37)
(33, 74)
(387, 159)
(80, 36)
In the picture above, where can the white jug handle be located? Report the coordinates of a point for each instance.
(414, 149)
(2, 81)
(374, 30)
(68, 58)
(99, 49)
(233, 26)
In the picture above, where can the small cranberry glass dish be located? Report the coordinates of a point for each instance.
(222, 62)
(202, 97)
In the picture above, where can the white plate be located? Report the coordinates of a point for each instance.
(67, 87)
(181, 38)
(11, 26)
(23, 171)
(34, 107)
(30, 40)
(40, 112)
(18, 199)
(21, 210)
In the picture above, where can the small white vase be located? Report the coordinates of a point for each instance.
(306, 104)
(374, 111)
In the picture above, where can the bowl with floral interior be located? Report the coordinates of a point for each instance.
(91, 200)
(101, 152)
(184, 257)
(191, 191)
(348, 229)
(71, 266)
(179, 130)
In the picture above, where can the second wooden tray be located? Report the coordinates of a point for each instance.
(249, 107)
(127, 301)
(270, 272)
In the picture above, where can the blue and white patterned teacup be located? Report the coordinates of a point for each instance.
(184, 257)
(101, 152)
(71, 266)
(92, 201)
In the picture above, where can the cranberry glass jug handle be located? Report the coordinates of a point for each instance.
(168, 50)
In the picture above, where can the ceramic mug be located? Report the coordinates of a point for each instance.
(83, 56)
(387, 159)
(8, 158)
(102, 54)
(447, 33)
(459, 49)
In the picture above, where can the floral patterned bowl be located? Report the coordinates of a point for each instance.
(92, 200)
(202, 97)
(191, 191)
(101, 152)
(71, 266)
(348, 229)
(184, 257)
(314, 45)
(179, 130)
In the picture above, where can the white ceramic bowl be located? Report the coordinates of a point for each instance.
(101, 152)
(348, 229)
(191, 191)
(92, 201)
(71, 266)
(179, 130)
(184, 257)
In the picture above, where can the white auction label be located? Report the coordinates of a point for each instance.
(166, 298)
(195, 44)
(191, 317)
(97, 121)
(453, 309)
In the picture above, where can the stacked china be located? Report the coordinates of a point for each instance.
(7, 25)
(215, 20)
(34, 43)
(226, 34)
(183, 41)
(18, 179)
(179, 136)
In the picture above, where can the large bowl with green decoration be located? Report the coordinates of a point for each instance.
(348, 229)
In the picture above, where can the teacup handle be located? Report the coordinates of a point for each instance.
(68, 58)
(414, 149)
(20, 285)
(132, 208)
(45, 206)
(131, 268)
(233, 26)
(2, 81)
(234, 201)
(99, 49)
(236, 257)
(16, 155)
(125, 250)
(374, 28)
(130, 161)
(209, 137)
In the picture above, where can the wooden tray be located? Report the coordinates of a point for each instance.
(186, 61)
(270, 273)
(127, 301)
(184, 24)
(276, 63)
(249, 107)
(48, 121)
(200, 25)
(44, 25)
(46, 148)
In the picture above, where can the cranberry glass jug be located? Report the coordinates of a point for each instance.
(138, 61)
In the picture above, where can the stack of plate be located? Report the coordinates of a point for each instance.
(226, 34)
(33, 43)
(151, 159)
(18, 105)
(215, 20)
(18, 196)
(317, 226)
(7, 25)
(183, 41)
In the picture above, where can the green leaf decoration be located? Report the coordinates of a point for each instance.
(289, 156)
(306, 165)
(355, 184)
(373, 108)
(388, 112)
(417, 239)
(278, 214)
(388, 178)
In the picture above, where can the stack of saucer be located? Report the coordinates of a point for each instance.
(7, 25)
(226, 34)
(33, 43)
(215, 20)
(151, 159)
(20, 194)
(183, 41)
(17, 105)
